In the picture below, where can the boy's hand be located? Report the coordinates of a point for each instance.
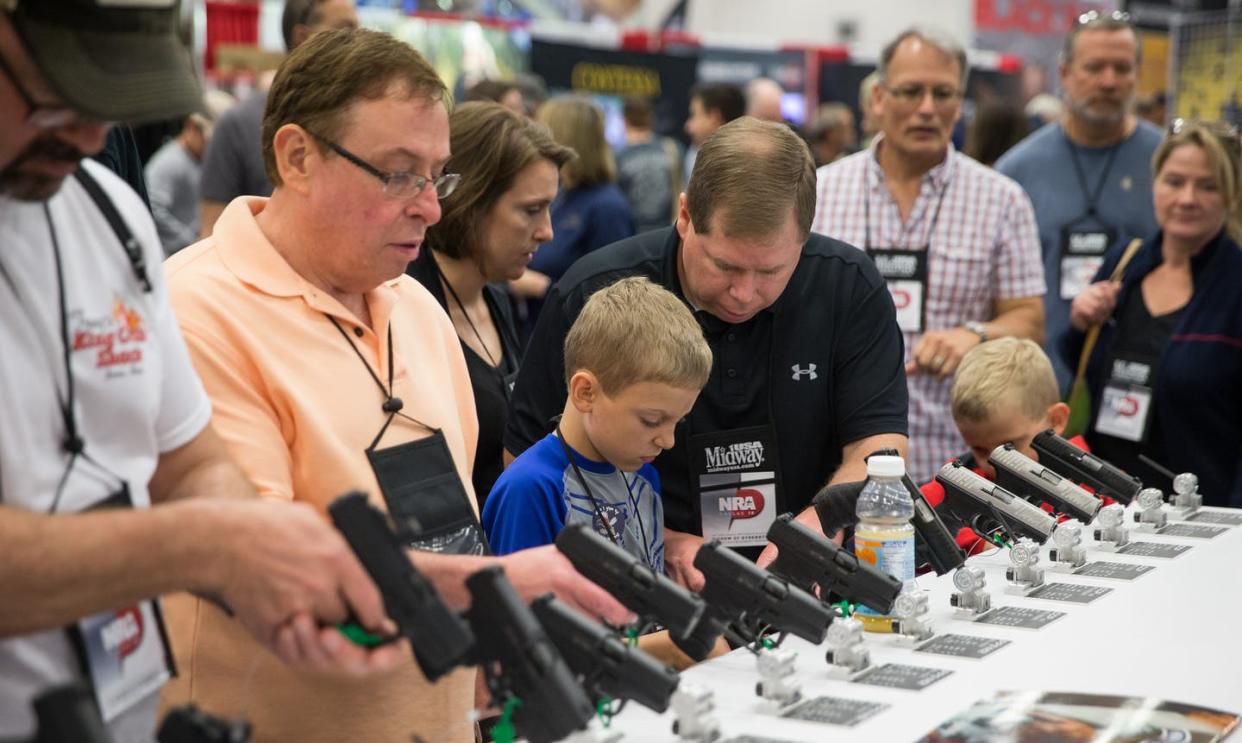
(940, 351)
(679, 551)
(1094, 305)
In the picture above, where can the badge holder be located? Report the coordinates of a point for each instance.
(737, 479)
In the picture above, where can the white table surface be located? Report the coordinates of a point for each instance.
(1173, 633)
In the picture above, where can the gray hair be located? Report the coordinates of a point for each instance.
(936, 39)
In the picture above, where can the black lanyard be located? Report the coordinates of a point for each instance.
(1092, 197)
(931, 230)
(392, 405)
(504, 387)
(612, 534)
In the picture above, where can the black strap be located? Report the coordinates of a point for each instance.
(133, 250)
(504, 388)
(1092, 197)
(612, 535)
(392, 405)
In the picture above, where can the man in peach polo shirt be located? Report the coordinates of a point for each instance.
(331, 370)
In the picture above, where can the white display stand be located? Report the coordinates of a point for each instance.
(1171, 633)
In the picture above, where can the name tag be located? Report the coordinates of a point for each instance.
(1082, 254)
(125, 655)
(905, 272)
(737, 478)
(1124, 411)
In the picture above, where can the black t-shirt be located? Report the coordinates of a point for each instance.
(491, 396)
(823, 363)
(1140, 338)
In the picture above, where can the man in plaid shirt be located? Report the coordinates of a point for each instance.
(956, 242)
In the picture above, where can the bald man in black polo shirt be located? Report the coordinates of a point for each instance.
(807, 378)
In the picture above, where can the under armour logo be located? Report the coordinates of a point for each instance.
(808, 373)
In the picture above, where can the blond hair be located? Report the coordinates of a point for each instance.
(578, 124)
(1219, 141)
(634, 331)
(1004, 370)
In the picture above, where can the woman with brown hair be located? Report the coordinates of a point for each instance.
(1164, 373)
(589, 212)
(489, 231)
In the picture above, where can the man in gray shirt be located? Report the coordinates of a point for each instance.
(1089, 174)
(233, 165)
(173, 173)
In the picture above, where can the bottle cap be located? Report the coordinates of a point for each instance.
(882, 466)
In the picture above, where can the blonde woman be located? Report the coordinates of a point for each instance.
(1164, 374)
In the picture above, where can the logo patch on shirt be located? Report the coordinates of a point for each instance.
(808, 373)
(117, 339)
(614, 515)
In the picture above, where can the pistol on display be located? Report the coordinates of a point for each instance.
(630, 580)
(1067, 460)
(809, 559)
(939, 544)
(1020, 474)
(746, 600)
(985, 506)
(604, 663)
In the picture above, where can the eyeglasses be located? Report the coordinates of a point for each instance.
(398, 185)
(40, 115)
(1093, 16)
(912, 95)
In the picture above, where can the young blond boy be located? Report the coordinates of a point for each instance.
(635, 361)
(1004, 392)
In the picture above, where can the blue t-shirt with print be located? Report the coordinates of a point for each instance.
(540, 493)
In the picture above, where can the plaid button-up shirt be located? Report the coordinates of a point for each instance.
(979, 231)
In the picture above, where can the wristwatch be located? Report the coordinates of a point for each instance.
(978, 329)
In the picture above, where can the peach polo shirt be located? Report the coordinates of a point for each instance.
(297, 409)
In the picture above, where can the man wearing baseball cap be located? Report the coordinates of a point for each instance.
(113, 487)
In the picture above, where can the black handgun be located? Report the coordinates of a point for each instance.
(605, 664)
(440, 639)
(985, 506)
(630, 580)
(518, 660)
(939, 544)
(1068, 460)
(188, 724)
(69, 714)
(1020, 474)
(809, 559)
(753, 599)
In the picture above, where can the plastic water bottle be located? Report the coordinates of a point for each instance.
(884, 536)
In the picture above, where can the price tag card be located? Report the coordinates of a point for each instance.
(1019, 616)
(964, 646)
(900, 676)
(1212, 517)
(1153, 549)
(1116, 570)
(834, 711)
(1192, 530)
(1073, 593)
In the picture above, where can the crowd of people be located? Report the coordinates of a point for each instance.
(495, 326)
